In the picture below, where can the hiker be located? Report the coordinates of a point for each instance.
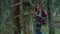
(39, 15)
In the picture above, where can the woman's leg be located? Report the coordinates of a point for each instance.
(38, 29)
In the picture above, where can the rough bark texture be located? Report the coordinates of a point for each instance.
(17, 19)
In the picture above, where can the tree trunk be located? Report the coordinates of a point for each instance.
(27, 28)
(17, 19)
(51, 28)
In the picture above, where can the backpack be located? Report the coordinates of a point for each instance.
(43, 14)
(43, 17)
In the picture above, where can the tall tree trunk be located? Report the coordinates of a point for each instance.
(27, 28)
(51, 28)
(17, 19)
(22, 18)
(0, 13)
(0, 16)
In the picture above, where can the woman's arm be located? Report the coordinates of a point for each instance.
(35, 13)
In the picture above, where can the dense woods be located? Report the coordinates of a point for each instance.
(16, 16)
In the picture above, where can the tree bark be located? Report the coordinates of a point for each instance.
(17, 19)
(51, 28)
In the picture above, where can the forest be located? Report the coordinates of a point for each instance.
(16, 16)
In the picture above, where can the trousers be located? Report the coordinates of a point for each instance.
(38, 27)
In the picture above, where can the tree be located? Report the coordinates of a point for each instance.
(51, 28)
(17, 19)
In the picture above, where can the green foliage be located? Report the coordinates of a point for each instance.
(26, 15)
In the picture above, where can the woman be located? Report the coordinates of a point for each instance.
(38, 14)
(38, 24)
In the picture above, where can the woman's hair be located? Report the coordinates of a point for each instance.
(35, 8)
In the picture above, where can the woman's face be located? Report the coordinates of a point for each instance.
(38, 6)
